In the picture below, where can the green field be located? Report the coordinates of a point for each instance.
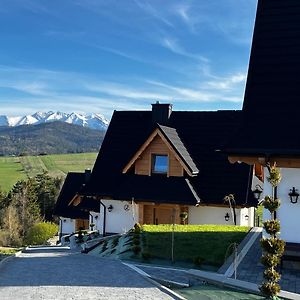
(13, 169)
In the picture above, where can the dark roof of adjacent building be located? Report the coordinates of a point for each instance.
(71, 186)
(201, 133)
(156, 188)
(272, 97)
(173, 138)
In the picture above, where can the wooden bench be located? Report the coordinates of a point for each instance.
(291, 253)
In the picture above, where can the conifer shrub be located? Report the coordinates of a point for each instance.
(272, 246)
(136, 249)
(136, 242)
(137, 228)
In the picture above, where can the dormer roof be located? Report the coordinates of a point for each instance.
(172, 140)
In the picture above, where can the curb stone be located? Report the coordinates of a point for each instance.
(10, 257)
(163, 288)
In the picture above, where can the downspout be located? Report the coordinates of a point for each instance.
(104, 219)
(248, 190)
(60, 231)
(92, 220)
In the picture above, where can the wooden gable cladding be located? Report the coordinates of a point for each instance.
(159, 145)
(143, 164)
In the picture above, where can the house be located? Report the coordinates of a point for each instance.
(154, 166)
(72, 218)
(269, 132)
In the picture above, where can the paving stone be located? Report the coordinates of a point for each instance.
(69, 275)
(250, 269)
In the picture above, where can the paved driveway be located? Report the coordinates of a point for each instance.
(64, 275)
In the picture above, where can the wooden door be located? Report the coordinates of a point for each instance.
(81, 224)
(163, 215)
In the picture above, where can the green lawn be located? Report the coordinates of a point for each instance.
(210, 292)
(13, 169)
(210, 242)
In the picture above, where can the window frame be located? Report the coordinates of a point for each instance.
(153, 160)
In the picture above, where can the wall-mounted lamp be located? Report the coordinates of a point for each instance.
(227, 217)
(96, 217)
(246, 217)
(294, 195)
(257, 192)
(65, 220)
(110, 208)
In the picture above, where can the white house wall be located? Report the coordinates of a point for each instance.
(68, 225)
(216, 215)
(118, 220)
(95, 218)
(288, 213)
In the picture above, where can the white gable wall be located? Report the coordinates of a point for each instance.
(68, 225)
(118, 220)
(216, 215)
(288, 213)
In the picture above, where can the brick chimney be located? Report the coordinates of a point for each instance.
(161, 113)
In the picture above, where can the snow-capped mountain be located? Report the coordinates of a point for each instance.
(94, 121)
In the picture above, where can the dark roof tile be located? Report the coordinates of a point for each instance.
(201, 133)
(71, 186)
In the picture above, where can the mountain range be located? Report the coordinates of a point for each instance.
(49, 138)
(93, 121)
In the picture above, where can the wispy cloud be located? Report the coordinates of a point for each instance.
(227, 83)
(194, 95)
(124, 91)
(45, 89)
(33, 88)
(176, 48)
(153, 12)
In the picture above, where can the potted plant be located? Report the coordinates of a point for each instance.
(183, 216)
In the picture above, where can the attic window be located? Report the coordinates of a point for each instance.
(160, 164)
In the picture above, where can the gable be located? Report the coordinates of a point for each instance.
(163, 141)
(157, 146)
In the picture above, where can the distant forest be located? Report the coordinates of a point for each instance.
(49, 138)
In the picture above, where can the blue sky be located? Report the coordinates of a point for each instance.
(98, 55)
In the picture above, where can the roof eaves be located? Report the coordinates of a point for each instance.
(176, 145)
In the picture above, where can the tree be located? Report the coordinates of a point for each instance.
(23, 198)
(46, 190)
(11, 227)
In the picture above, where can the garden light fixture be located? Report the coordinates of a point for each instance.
(257, 192)
(227, 217)
(294, 195)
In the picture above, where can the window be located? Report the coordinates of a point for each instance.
(160, 164)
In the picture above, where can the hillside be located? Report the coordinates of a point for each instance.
(13, 169)
(49, 138)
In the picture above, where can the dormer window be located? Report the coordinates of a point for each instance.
(160, 164)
